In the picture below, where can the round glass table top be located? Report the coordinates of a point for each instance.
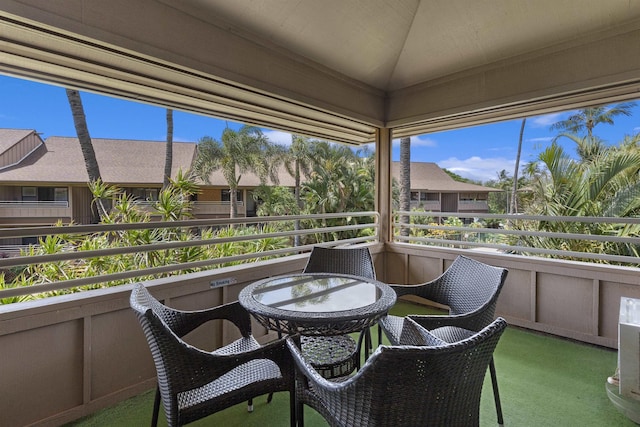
(316, 293)
(317, 303)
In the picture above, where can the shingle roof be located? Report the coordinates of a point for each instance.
(429, 176)
(251, 180)
(10, 137)
(136, 162)
(120, 161)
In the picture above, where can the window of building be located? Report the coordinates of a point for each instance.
(29, 194)
(226, 196)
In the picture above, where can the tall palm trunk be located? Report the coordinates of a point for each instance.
(233, 202)
(82, 131)
(514, 201)
(168, 157)
(233, 194)
(296, 224)
(405, 182)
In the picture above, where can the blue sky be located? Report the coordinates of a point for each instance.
(478, 152)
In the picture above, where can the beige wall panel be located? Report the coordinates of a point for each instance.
(41, 365)
(393, 268)
(422, 269)
(208, 336)
(565, 302)
(515, 297)
(610, 294)
(118, 360)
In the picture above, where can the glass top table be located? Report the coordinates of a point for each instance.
(317, 303)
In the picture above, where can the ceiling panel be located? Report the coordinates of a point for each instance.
(392, 44)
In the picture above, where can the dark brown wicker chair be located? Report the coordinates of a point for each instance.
(470, 289)
(194, 383)
(338, 356)
(404, 385)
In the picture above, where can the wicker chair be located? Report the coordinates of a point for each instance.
(338, 356)
(404, 385)
(193, 383)
(470, 289)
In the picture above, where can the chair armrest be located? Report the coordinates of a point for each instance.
(428, 290)
(199, 367)
(464, 321)
(184, 322)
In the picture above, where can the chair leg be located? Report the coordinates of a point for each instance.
(156, 408)
(299, 413)
(367, 342)
(270, 397)
(293, 409)
(250, 405)
(496, 394)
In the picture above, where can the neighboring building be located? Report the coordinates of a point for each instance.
(42, 182)
(49, 182)
(432, 189)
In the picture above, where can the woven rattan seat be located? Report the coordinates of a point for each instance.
(470, 289)
(406, 385)
(193, 383)
(335, 356)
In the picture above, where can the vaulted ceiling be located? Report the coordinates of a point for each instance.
(393, 44)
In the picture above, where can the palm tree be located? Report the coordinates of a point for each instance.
(239, 152)
(325, 191)
(80, 122)
(601, 187)
(168, 158)
(589, 146)
(82, 131)
(405, 182)
(514, 203)
(588, 118)
(299, 161)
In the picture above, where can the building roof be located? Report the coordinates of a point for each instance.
(428, 176)
(10, 137)
(136, 162)
(251, 180)
(121, 162)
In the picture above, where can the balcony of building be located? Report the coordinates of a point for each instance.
(36, 212)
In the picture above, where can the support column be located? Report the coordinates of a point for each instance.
(383, 182)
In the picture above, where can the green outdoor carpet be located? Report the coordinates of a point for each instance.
(543, 380)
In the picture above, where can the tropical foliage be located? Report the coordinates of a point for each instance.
(238, 152)
(173, 204)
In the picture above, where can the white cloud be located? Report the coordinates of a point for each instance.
(541, 139)
(278, 137)
(418, 141)
(478, 168)
(548, 119)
